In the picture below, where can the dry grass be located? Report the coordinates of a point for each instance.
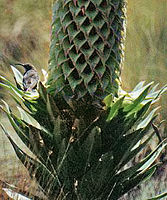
(146, 45)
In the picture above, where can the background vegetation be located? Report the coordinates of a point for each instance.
(25, 35)
(146, 44)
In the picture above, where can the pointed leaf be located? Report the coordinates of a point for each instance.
(18, 76)
(159, 196)
(28, 118)
(114, 109)
(14, 195)
(15, 89)
(138, 87)
(48, 181)
(139, 99)
(147, 120)
(108, 100)
(123, 188)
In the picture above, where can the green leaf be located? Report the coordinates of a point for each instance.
(92, 147)
(147, 120)
(114, 108)
(29, 135)
(19, 93)
(67, 70)
(42, 91)
(13, 87)
(143, 93)
(62, 155)
(18, 76)
(108, 100)
(135, 151)
(20, 128)
(156, 94)
(52, 108)
(5, 86)
(138, 87)
(159, 196)
(147, 162)
(131, 183)
(14, 195)
(73, 82)
(28, 118)
(128, 173)
(120, 188)
(47, 179)
(139, 113)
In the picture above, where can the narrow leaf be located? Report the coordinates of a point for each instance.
(147, 120)
(114, 109)
(18, 76)
(14, 195)
(139, 99)
(159, 196)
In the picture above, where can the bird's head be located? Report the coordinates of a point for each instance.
(26, 66)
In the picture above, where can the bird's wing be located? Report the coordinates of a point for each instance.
(30, 80)
(31, 73)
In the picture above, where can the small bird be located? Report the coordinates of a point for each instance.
(30, 77)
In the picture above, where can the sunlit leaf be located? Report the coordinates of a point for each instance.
(114, 109)
(18, 76)
(158, 196)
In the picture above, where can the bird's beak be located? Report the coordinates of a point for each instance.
(19, 64)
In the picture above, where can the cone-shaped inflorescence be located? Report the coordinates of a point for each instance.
(87, 47)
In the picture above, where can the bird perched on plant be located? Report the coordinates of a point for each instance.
(30, 77)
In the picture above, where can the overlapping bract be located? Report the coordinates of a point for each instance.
(85, 162)
(87, 47)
